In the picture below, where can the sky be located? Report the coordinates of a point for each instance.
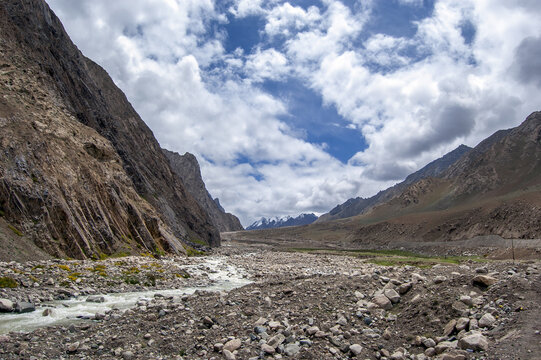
(294, 107)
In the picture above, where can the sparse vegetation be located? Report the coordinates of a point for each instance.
(7, 282)
(64, 267)
(15, 230)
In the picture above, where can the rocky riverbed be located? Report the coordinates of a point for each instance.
(298, 305)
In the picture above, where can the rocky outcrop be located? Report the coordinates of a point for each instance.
(80, 172)
(187, 168)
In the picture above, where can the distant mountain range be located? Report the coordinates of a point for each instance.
(278, 222)
(492, 189)
(357, 206)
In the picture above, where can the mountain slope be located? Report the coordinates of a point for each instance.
(187, 168)
(80, 172)
(494, 189)
(276, 222)
(357, 206)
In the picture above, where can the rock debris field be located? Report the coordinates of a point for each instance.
(295, 305)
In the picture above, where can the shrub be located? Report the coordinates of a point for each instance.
(7, 282)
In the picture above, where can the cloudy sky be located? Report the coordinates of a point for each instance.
(297, 106)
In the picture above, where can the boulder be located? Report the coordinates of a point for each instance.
(474, 341)
(6, 305)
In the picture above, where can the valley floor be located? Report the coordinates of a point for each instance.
(300, 305)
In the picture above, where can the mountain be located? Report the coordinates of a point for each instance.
(276, 222)
(493, 190)
(80, 172)
(187, 168)
(357, 206)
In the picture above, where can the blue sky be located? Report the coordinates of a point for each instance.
(295, 107)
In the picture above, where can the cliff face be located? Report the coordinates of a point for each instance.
(187, 168)
(80, 172)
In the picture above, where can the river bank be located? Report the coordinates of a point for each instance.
(299, 305)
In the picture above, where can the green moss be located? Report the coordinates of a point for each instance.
(131, 280)
(15, 230)
(64, 267)
(7, 282)
(190, 251)
(132, 270)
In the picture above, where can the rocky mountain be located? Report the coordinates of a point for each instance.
(491, 192)
(187, 168)
(357, 206)
(80, 172)
(278, 222)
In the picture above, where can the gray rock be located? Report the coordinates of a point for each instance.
(24, 307)
(71, 348)
(439, 279)
(462, 323)
(96, 299)
(266, 348)
(356, 349)
(232, 345)
(392, 295)
(276, 340)
(342, 321)
(383, 302)
(260, 329)
(127, 355)
(47, 312)
(291, 349)
(228, 355)
(484, 281)
(486, 320)
(444, 346)
(428, 343)
(312, 330)
(466, 300)
(404, 288)
(474, 341)
(449, 328)
(6, 305)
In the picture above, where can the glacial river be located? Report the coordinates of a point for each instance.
(222, 276)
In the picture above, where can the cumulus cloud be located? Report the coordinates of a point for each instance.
(412, 99)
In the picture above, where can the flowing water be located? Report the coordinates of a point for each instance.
(222, 277)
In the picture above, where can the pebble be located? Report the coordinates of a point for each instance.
(355, 349)
(487, 320)
(232, 345)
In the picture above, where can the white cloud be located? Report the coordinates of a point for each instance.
(413, 98)
(267, 64)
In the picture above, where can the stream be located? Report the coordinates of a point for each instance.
(222, 277)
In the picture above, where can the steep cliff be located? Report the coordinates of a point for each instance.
(80, 172)
(187, 168)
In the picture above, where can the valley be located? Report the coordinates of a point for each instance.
(295, 304)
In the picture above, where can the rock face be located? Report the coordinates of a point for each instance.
(81, 174)
(272, 223)
(357, 206)
(187, 168)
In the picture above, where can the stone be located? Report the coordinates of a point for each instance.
(96, 299)
(444, 346)
(291, 349)
(430, 352)
(449, 328)
(71, 348)
(466, 300)
(383, 302)
(127, 355)
(483, 281)
(417, 278)
(24, 307)
(439, 279)
(232, 345)
(218, 347)
(474, 341)
(342, 321)
(260, 321)
(6, 305)
(392, 295)
(355, 349)
(312, 330)
(397, 356)
(486, 320)
(47, 312)
(462, 323)
(228, 355)
(404, 288)
(274, 324)
(266, 348)
(276, 340)
(428, 343)
(260, 329)
(207, 321)
(320, 334)
(453, 356)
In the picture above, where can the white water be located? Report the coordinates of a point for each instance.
(222, 276)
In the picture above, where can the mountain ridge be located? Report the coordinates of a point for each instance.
(187, 168)
(284, 221)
